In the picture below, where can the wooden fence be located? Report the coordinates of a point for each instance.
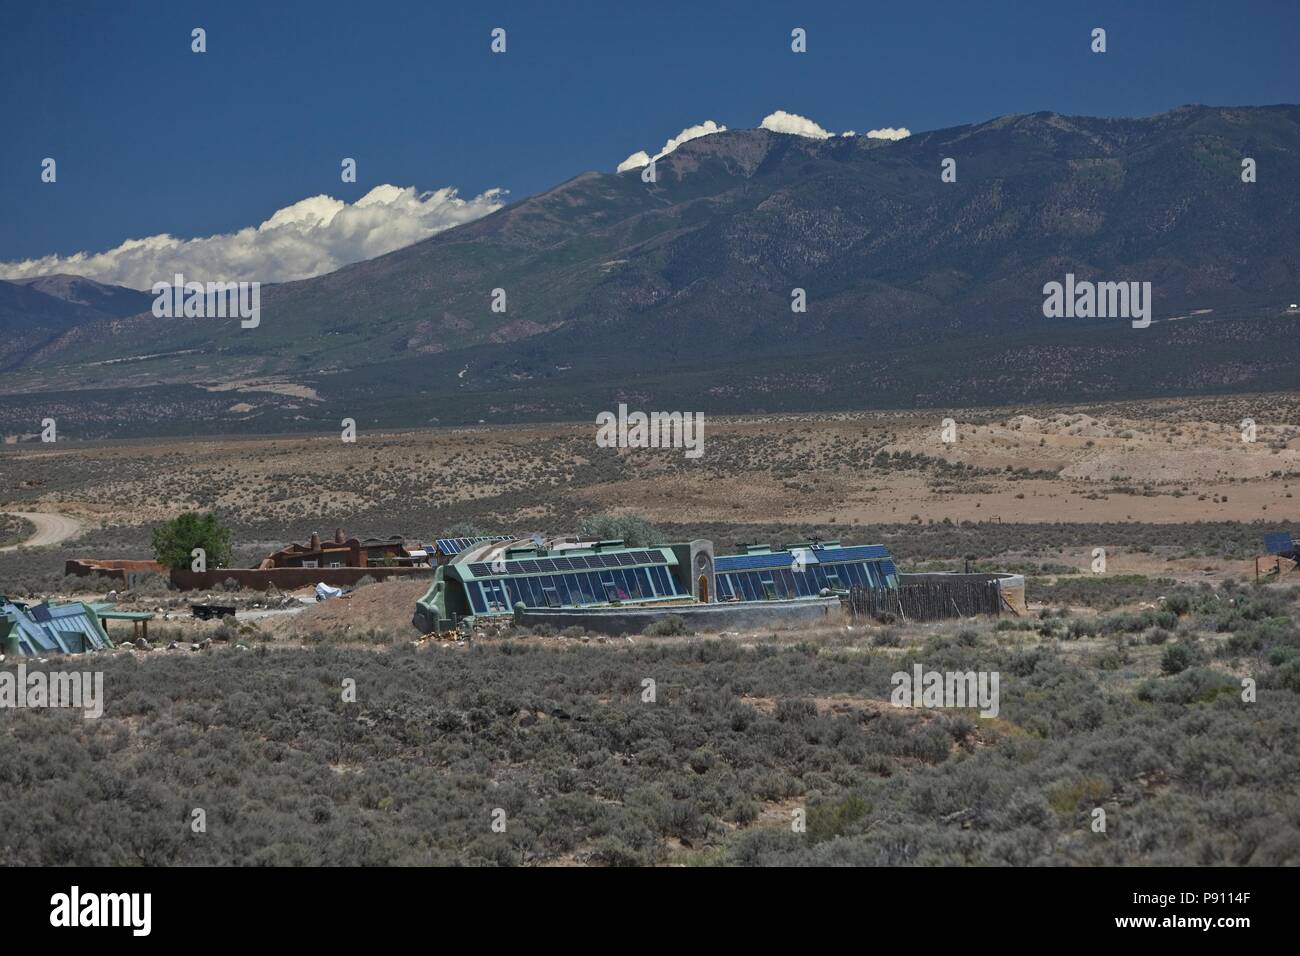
(927, 601)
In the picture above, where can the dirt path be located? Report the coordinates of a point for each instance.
(50, 529)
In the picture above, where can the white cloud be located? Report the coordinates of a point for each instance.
(641, 158)
(783, 122)
(311, 237)
(635, 161)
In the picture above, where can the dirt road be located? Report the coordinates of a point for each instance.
(50, 529)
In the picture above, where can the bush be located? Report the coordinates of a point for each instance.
(795, 710)
(633, 530)
(1176, 659)
(671, 625)
(888, 637)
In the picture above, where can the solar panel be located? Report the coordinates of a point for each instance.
(785, 559)
(625, 559)
(479, 570)
(1279, 542)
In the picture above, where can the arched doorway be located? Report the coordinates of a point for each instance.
(702, 589)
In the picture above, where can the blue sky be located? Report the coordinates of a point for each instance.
(152, 138)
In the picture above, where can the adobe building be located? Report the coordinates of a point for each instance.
(342, 552)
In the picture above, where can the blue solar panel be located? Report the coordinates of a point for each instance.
(1279, 542)
(450, 546)
(784, 559)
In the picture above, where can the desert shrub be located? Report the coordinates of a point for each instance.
(559, 739)
(827, 821)
(611, 851)
(634, 530)
(887, 637)
(670, 625)
(795, 710)
(151, 584)
(1176, 658)
(1081, 627)
(1013, 624)
(1194, 685)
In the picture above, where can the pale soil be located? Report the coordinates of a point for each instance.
(1160, 462)
(50, 529)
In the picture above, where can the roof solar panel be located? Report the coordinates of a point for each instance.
(479, 570)
(626, 559)
(1279, 542)
(785, 559)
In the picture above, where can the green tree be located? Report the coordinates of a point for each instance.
(174, 541)
(635, 531)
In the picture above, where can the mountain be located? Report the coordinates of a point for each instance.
(678, 292)
(108, 300)
(35, 313)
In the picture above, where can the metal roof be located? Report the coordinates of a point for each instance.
(56, 628)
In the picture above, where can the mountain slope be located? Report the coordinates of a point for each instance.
(909, 280)
(108, 300)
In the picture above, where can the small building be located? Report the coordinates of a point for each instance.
(36, 629)
(342, 552)
(578, 578)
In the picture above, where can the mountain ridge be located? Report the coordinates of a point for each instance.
(615, 277)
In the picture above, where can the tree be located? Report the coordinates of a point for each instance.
(634, 530)
(174, 541)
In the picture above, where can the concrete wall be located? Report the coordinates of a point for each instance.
(698, 617)
(286, 579)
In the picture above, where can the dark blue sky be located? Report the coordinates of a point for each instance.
(152, 138)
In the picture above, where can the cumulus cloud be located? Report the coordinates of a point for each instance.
(642, 158)
(783, 122)
(889, 133)
(311, 237)
(796, 125)
(635, 161)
